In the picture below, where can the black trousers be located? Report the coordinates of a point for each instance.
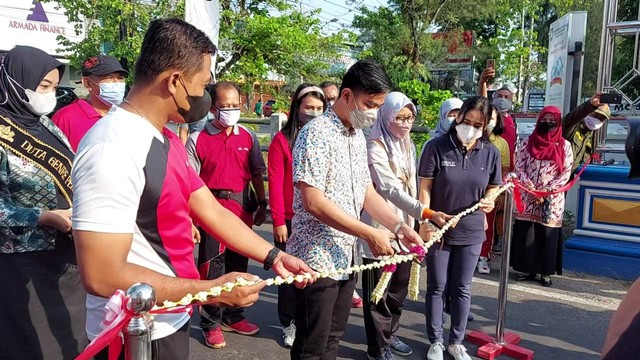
(322, 312)
(172, 347)
(211, 316)
(286, 295)
(382, 320)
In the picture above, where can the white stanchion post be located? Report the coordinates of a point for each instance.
(141, 298)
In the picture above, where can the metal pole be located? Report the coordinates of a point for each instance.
(141, 298)
(504, 265)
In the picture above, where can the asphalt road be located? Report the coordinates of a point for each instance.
(567, 321)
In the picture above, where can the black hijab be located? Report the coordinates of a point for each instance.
(27, 66)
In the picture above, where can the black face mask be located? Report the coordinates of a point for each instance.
(546, 127)
(198, 106)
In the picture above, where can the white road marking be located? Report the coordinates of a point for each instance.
(608, 303)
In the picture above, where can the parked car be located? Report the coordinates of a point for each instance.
(65, 96)
(267, 109)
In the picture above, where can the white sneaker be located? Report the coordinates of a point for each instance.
(459, 352)
(289, 334)
(436, 352)
(483, 266)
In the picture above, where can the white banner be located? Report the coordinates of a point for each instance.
(563, 34)
(27, 22)
(205, 15)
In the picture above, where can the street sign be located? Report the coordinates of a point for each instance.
(535, 101)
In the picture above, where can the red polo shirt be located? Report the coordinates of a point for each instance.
(226, 162)
(75, 120)
(510, 135)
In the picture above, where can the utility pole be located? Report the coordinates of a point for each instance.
(518, 90)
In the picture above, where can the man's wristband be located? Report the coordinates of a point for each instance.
(397, 228)
(427, 213)
(271, 258)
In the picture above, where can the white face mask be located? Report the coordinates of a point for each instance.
(503, 104)
(308, 115)
(362, 119)
(228, 117)
(450, 120)
(112, 93)
(468, 134)
(491, 126)
(39, 103)
(593, 123)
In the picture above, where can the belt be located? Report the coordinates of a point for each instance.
(227, 194)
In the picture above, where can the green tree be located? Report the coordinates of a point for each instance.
(429, 102)
(256, 36)
(115, 27)
(255, 41)
(400, 36)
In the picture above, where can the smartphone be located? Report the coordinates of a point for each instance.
(611, 99)
(491, 63)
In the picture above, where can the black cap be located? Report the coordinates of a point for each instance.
(101, 65)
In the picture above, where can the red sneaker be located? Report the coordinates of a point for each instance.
(357, 303)
(214, 339)
(243, 327)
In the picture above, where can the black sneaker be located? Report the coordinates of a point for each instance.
(497, 247)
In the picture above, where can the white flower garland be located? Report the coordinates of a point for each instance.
(378, 292)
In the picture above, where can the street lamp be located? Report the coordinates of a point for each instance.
(330, 21)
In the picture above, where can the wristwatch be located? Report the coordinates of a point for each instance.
(271, 258)
(262, 203)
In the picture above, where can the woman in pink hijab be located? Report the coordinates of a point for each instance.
(543, 164)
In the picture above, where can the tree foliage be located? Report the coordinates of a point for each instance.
(401, 36)
(115, 27)
(429, 102)
(255, 41)
(257, 37)
(513, 32)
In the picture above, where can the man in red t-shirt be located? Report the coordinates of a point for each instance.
(503, 101)
(103, 77)
(228, 159)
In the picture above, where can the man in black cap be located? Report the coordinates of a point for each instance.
(103, 77)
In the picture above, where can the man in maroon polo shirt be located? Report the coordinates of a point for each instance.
(227, 156)
(103, 77)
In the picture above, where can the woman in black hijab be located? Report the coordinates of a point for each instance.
(42, 305)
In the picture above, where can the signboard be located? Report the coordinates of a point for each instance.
(535, 101)
(624, 109)
(32, 23)
(459, 45)
(563, 34)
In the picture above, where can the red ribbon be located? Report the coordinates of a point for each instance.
(538, 194)
(117, 316)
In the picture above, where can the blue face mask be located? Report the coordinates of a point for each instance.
(112, 93)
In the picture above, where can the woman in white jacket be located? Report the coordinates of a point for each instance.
(392, 159)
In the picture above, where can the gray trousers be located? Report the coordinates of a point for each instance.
(453, 265)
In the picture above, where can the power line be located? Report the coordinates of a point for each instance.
(322, 10)
(342, 6)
